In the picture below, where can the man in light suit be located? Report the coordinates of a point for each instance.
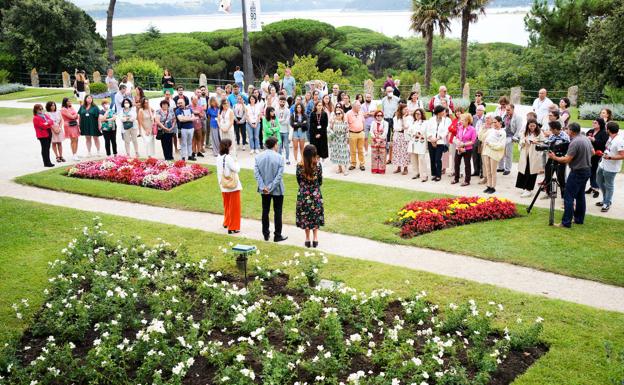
(269, 170)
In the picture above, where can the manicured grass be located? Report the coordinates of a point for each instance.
(35, 92)
(15, 115)
(361, 210)
(576, 334)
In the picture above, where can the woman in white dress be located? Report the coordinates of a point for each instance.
(417, 144)
(57, 130)
(402, 122)
(226, 124)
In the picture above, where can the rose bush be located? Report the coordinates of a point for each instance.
(153, 173)
(420, 217)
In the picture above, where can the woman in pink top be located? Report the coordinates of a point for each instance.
(464, 141)
(71, 125)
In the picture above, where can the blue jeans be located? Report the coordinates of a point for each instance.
(606, 183)
(575, 190)
(285, 144)
(253, 136)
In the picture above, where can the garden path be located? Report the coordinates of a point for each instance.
(495, 273)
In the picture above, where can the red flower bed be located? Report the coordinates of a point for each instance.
(420, 217)
(153, 173)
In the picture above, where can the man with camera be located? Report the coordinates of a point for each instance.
(557, 141)
(579, 158)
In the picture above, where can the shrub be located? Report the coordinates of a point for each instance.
(589, 111)
(98, 88)
(4, 76)
(140, 68)
(10, 88)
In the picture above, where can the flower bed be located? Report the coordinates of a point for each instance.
(125, 313)
(154, 173)
(420, 217)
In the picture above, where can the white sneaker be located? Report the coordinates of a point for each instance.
(76, 158)
(244, 148)
(525, 194)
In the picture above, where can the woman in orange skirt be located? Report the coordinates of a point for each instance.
(228, 169)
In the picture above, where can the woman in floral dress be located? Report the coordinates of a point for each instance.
(309, 213)
(338, 135)
(378, 130)
(402, 122)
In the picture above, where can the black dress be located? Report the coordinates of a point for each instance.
(319, 127)
(599, 144)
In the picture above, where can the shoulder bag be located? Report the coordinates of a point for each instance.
(228, 182)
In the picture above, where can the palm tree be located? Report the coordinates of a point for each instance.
(109, 30)
(468, 11)
(427, 16)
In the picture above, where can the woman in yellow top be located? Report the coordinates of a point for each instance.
(493, 151)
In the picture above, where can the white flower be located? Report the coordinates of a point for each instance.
(539, 320)
(248, 373)
(416, 361)
(240, 358)
(395, 381)
(177, 370)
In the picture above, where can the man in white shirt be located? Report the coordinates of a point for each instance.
(541, 105)
(283, 116)
(334, 94)
(610, 165)
(389, 106)
(111, 83)
(369, 109)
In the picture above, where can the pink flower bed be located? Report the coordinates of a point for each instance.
(153, 173)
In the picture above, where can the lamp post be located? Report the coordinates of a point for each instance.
(247, 65)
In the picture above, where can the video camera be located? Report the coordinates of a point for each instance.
(558, 146)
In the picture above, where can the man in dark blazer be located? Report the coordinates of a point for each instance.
(269, 170)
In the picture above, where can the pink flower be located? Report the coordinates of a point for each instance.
(153, 173)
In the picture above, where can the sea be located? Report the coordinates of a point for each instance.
(497, 25)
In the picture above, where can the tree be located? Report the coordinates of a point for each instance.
(374, 49)
(427, 16)
(65, 41)
(469, 11)
(564, 23)
(109, 30)
(600, 55)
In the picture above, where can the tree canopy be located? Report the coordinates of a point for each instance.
(52, 35)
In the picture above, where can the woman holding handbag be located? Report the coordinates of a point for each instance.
(70, 124)
(57, 132)
(165, 118)
(417, 144)
(227, 175)
(146, 127)
(379, 133)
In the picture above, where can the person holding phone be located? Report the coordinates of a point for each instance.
(530, 163)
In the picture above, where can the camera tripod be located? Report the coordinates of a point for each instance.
(552, 185)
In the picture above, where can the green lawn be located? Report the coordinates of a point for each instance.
(15, 115)
(33, 235)
(35, 92)
(361, 209)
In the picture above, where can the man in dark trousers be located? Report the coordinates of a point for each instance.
(269, 170)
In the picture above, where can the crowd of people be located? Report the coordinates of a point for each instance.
(395, 132)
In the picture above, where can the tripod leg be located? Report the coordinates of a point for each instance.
(539, 190)
(553, 196)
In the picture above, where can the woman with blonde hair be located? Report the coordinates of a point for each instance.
(402, 122)
(493, 151)
(338, 137)
(226, 124)
(481, 135)
(145, 120)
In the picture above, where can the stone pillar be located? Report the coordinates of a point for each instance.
(131, 78)
(204, 82)
(369, 87)
(416, 88)
(573, 93)
(66, 80)
(466, 91)
(97, 78)
(34, 78)
(516, 95)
